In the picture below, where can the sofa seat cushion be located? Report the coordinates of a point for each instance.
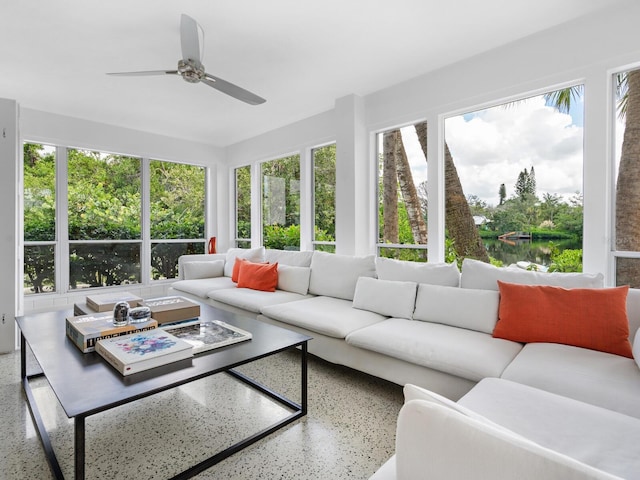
(252, 300)
(596, 436)
(598, 378)
(202, 286)
(329, 316)
(457, 351)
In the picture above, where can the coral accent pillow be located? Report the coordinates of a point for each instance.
(594, 318)
(236, 267)
(258, 276)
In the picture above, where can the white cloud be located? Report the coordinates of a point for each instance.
(493, 146)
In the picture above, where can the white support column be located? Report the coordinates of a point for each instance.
(11, 253)
(307, 220)
(599, 119)
(435, 188)
(353, 172)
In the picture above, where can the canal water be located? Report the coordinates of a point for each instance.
(526, 250)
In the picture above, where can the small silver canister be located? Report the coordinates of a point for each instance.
(121, 314)
(139, 314)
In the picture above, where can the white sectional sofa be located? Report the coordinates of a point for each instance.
(430, 326)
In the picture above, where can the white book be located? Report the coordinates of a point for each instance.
(141, 351)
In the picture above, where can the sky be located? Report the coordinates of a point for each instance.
(492, 146)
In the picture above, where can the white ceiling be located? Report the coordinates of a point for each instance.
(301, 55)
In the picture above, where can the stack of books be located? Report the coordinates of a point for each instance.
(85, 330)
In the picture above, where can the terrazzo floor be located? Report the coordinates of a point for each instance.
(348, 433)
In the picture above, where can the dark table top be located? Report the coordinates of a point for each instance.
(86, 384)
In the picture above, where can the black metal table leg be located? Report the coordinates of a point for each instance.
(79, 446)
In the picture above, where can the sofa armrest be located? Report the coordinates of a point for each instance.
(197, 257)
(436, 442)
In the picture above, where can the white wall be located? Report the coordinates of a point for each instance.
(587, 50)
(56, 129)
(11, 231)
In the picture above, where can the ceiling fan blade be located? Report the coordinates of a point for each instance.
(233, 90)
(148, 72)
(189, 38)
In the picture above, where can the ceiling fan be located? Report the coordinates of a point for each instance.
(191, 68)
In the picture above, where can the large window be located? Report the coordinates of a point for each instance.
(402, 193)
(176, 214)
(627, 192)
(324, 198)
(513, 182)
(110, 228)
(281, 203)
(104, 218)
(243, 206)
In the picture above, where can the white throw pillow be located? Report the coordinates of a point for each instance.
(334, 275)
(477, 274)
(636, 348)
(293, 279)
(393, 299)
(472, 309)
(432, 273)
(255, 255)
(203, 269)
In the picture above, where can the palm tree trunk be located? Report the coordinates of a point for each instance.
(627, 191)
(459, 221)
(389, 189)
(409, 192)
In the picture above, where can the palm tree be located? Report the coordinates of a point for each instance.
(627, 231)
(458, 218)
(389, 189)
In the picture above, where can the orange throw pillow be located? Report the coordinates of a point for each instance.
(594, 318)
(258, 276)
(236, 268)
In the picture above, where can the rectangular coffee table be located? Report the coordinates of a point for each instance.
(85, 384)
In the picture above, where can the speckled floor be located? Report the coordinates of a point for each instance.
(348, 433)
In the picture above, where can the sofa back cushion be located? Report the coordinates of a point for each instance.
(582, 317)
(203, 269)
(251, 254)
(334, 275)
(418, 272)
(476, 274)
(386, 297)
(459, 307)
(289, 257)
(293, 279)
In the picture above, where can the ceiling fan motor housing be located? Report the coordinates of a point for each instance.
(192, 71)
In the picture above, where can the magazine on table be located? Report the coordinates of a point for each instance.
(207, 335)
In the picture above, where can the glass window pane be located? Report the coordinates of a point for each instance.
(104, 196)
(402, 192)
(513, 182)
(627, 194)
(103, 264)
(39, 269)
(281, 203)
(324, 195)
(39, 192)
(164, 257)
(176, 200)
(243, 207)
